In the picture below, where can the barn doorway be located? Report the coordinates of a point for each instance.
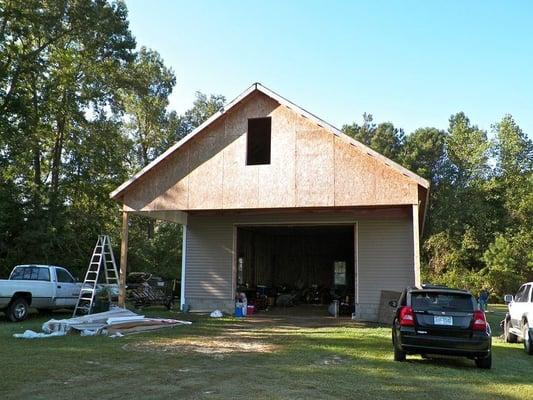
(297, 269)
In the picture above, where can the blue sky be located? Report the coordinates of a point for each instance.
(413, 63)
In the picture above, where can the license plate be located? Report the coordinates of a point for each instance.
(439, 320)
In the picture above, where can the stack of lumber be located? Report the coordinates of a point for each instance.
(130, 325)
(117, 321)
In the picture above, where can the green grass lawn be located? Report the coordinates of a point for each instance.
(255, 358)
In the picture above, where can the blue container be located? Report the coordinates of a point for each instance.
(239, 311)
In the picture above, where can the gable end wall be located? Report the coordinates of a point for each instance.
(310, 167)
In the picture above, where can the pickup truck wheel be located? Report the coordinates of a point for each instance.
(528, 339)
(509, 337)
(18, 309)
(485, 362)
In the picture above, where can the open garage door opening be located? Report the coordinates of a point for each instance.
(299, 269)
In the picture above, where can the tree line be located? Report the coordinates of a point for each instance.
(478, 229)
(82, 107)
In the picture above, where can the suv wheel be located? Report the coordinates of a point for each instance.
(528, 339)
(18, 309)
(399, 355)
(484, 362)
(509, 337)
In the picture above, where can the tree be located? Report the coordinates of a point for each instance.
(509, 258)
(468, 151)
(384, 137)
(60, 66)
(362, 133)
(388, 140)
(145, 101)
(513, 149)
(509, 261)
(466, 210)
(156, 245)
(424, 152)
(203, 107)
(513, 177)
(480, 236)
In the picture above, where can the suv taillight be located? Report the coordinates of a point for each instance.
(479, 322)
(407, 316)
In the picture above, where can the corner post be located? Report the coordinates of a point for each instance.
(416, 244)
(183, 265)
(123, 260)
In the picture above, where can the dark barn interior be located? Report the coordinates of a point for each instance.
(295, 265)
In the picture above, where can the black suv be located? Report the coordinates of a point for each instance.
(440, 320)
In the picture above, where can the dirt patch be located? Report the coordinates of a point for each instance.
(215, 345)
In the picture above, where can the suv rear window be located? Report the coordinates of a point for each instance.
(435, 301)
(30, 274)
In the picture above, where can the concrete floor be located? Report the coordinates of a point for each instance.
(305, 315)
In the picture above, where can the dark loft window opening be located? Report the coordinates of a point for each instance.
(258, 141)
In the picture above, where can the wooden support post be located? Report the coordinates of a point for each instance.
(123, 260)
(183, 265)
(356, 267)
(416, 244)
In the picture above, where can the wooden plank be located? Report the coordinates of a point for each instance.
(314, 168)
(121, 189)
(354, 177)
(360, 179)
(416, 244)
(386, 312)
(183, 266)
(206, 169)
(277, 180)
(172, 183)
(241, 181)
(123, 260)
(392, 187)
(163, 188)
(392, 211)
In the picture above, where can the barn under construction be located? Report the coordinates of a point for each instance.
(273, 201)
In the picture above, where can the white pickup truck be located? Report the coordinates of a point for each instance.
(518, 323)
(44, 287)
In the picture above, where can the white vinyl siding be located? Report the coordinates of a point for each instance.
(386, 261)
(385, 248)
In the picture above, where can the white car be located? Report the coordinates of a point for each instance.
(45, 287)
(518, 323)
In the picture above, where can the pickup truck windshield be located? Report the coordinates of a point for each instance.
(30, 274)
(434, 301)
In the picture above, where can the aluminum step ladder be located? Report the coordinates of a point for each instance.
(102, 259)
